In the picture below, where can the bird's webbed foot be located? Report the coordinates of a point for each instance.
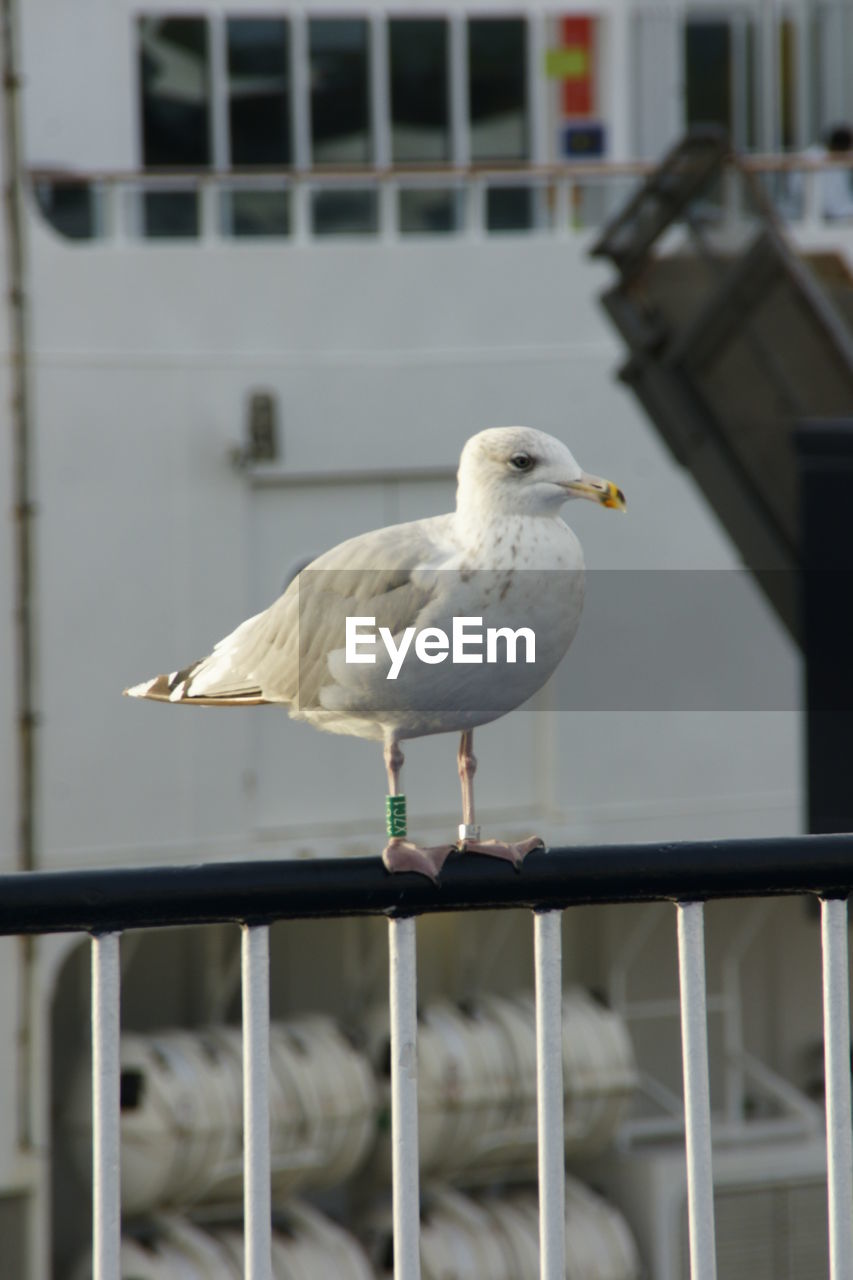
(400, 854)
(514, 853)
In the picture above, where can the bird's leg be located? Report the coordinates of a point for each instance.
(400, 853)
(467, 764)
(394, 761)
(469, 832)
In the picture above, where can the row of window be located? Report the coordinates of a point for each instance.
(269, 91)
(81, 211)
(177, 101)
(335, 212)
(77, 210)
(228, 94)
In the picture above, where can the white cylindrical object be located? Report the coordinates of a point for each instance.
(404, 1098)
(697, 1093)
(549, 1093)
(106, 1179)
(257, 1208)
(836, 1041)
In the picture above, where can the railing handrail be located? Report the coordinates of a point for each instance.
(580, 170)
(492, 169)
(110, 899)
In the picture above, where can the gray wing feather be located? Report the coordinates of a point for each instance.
(375, 574)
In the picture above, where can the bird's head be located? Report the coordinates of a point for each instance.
(519, 471)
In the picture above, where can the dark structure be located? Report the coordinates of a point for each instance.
(741, 352)
(733, 341)
(826, 470)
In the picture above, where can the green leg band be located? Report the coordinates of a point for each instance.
(395, 817)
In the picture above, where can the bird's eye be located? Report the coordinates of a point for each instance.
(521, 461)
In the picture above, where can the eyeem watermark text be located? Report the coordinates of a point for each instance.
(432, 645)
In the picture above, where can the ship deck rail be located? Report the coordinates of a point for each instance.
(398, 202)
(254, 894)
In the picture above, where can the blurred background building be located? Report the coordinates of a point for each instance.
(279, 262)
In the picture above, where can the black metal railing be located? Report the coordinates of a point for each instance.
(254, 894)
(112, 899)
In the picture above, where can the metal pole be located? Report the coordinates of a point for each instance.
(106, 1175)
(697, 1094)
(549, 1093)
(22, 508)
(402, 958)
(836, 1041)
(22, 514)
(257, 1208)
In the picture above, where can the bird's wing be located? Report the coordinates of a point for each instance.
(382, 574)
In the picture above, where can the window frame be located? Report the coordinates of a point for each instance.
(222, 20)
(444, 17)
(367, 16)
(532, 42)
(380, 121)
(137, 16)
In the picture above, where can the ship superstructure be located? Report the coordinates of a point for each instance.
(281, 261)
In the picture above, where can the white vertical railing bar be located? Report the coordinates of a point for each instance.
(402, 961)
(548, 966)
(697, 1093)
(106, 1179)
(257, 1207)
(836, 1042)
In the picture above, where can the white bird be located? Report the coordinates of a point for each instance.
(503, 558)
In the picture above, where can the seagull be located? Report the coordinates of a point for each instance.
(360, 640)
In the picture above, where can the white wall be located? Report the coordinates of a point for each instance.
(80, 68)
(382, 358)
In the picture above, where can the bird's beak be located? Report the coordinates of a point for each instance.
(597, 490)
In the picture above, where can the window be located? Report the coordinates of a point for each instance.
(420, 116)
(787, 84)
(352, 212)
(170, 215)
(340, 95)
(497, 88)
(258, 91)
(256, 213)
(431, 211)
(510, 209)
(175, 89)
(70, 207)
(708, 65)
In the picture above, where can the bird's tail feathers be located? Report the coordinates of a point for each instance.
(178, 687)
